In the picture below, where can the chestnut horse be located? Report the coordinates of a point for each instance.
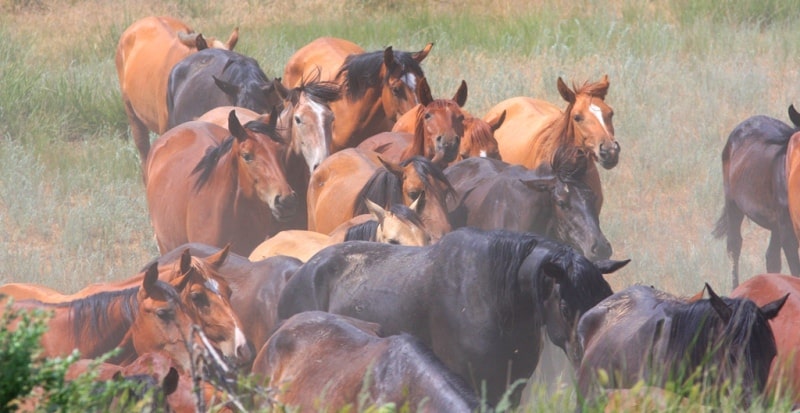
(377, 87)
(146, 53)
(339, 185)
(793, 173)
(765, 288)
(362, 368)
(206, 184)
(754, 174)
(399, 225)
(534, 129)
(433, 129)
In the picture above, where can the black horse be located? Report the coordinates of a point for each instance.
(215, 77)
(552, 200)
(754, 180)
(361, 368)
(641, 333)
(477, 298)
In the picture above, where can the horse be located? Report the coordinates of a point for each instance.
(643, 334)
(217, 186)
(477, 298)
(377, 87)
(338, 187)
(216, 77)
(552, 200)
(435, 132)
(754, 183)
(362, 368)
(146, 53)
(399, 225)
(534, 129)
(762, 289)
(793, 172)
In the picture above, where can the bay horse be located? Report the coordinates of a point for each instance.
(754, 183)
(784, 378)
(362, 368)
(146, 52)
(435, 132)
(643, 334)
(399, 225)
(534, 129)
(552, 200)
(338, 187)
(218, 186)
(478, 299)
(216, 77)
(377, 87)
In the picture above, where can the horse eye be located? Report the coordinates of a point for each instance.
(200, 300)
(414, 194)
(394, 242)
(398, 91)
(578, 118)
(165, 314)
(247, 156)
(428, 116)
(297, 119)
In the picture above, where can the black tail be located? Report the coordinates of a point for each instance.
(721, 228)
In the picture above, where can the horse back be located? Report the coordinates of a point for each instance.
(326, 54)
(526, 119)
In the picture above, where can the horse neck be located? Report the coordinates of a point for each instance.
(417, 147)
(560, 132)
(99, 336)
(369, 107)
(434, 215)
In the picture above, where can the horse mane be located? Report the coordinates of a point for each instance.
(361, 71)
(364, 231)
(213, 154)
(406, 214)
(92, 311)
(385, 189)
(560, 132)
(322, 92)
(570, 163)
(478, 131)
(507, 252)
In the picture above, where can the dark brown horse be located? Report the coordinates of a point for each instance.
(754, 182)
(435, 131)
(362, 369)
(214, 77)
(642, 334)
(146, 53)
(534, 129)
(552, 200)
(479, 299)
(377, 87)
(206, 184)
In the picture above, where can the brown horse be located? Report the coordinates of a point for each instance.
(362, 368)
(146, 53)
(762, 289)
(433, 129)
(204, 185)
(398, 225)
(793, 173)
(377, 87)
(754, 174)
(338, 187)
(534, 129)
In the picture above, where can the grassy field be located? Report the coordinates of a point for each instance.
(683, 74)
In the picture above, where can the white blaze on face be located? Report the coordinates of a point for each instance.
(598, 113)
(411, 80)
(483, 153)
(315, 152)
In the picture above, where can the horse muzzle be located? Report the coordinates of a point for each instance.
(284, 207)
(609, 155)
(446, 149)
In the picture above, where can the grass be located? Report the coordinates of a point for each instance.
(683, 74)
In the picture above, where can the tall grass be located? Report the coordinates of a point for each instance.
(683, 74)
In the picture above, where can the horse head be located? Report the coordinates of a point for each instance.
(400, 224)
(400, 72)
(590, 120)
(439, 124)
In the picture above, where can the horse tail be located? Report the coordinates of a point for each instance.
(721, 228)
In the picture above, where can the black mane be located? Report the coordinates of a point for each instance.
(361, 71)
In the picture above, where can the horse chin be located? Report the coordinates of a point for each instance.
(608, 162)
(283, 214)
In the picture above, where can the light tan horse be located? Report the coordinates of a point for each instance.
(534, 129)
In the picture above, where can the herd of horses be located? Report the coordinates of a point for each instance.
(351, 240)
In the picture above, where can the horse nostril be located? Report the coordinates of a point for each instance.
(439, 139)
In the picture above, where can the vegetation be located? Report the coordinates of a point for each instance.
(683, 74)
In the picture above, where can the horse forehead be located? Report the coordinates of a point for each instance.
(212, 285)
(410, 79)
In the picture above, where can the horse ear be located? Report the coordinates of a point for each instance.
(422, 54)
(770, 310)
(461, 94)
(719, 305)
(540, 184)
(697, 297)
(609, 266)
(388, 59)
(233, 39)
(236, 128)
(565, 91)
(280, 89)
(424, 92)
(200, 42)
(497, 123)
(794, 116)
(376, 210)
(216, 260)
(228, 88)
(392, 167)
(186, 262)
(170, 382)
(150, 278)
(601, 88)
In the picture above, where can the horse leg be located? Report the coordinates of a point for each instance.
(140, 133)
(734, 238)
(790, 245)
(773, 256)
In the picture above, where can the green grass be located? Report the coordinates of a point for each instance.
(683, 74)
